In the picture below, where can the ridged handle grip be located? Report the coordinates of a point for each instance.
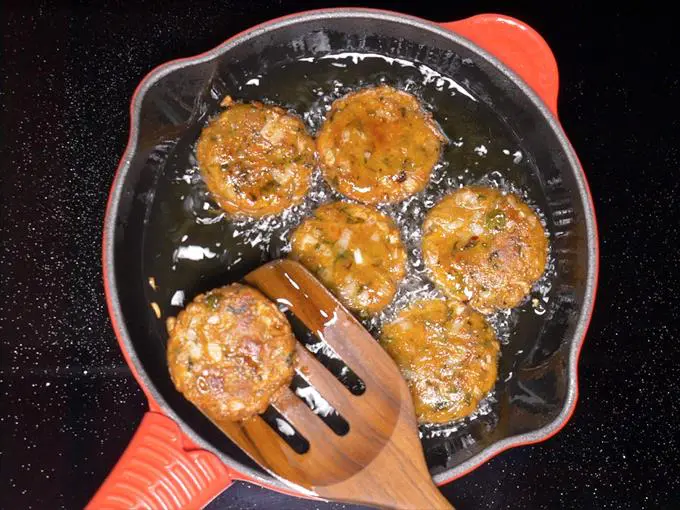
(518, 46)
(158, 472)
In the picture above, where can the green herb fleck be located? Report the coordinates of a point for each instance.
(440, 405)
(213, 301)
(496, 220)
(270, 187)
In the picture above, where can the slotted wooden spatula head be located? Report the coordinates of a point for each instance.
(379, 461)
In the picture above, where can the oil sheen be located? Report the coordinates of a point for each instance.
(191, 245)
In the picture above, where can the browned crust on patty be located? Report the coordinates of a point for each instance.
(256, 159)
(484, 247)
(448, 355)
(230, 351)
(356, 251)
(378, 145)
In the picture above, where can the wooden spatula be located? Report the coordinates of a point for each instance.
(379, 462)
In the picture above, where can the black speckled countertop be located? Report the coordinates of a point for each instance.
(68, 404)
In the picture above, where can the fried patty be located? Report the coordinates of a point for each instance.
(230, 351)
(448, 355)
(378, 145)
(355, 251)
(484, 247)
(256, 159)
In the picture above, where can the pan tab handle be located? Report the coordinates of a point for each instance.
(161, 470)
(518, 46)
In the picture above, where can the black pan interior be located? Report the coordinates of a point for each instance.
(160, 203)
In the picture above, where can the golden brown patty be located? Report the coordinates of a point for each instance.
(230, 351)
(355, 251)
(256, 159)
(484, 247)
(448, 355)
(378, 145)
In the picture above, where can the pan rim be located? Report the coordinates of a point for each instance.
(551, 122)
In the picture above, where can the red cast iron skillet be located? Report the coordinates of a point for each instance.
(177, 459)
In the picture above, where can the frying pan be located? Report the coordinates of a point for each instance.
(502, 70)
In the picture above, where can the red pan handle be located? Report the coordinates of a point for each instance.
(161, 470)
(518, 46)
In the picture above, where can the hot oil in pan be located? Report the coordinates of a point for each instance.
(192, 246)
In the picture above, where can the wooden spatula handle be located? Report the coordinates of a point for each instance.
(379, 461)
(402, 487)
(397, 477)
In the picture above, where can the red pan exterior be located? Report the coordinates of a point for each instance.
(162, 468)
